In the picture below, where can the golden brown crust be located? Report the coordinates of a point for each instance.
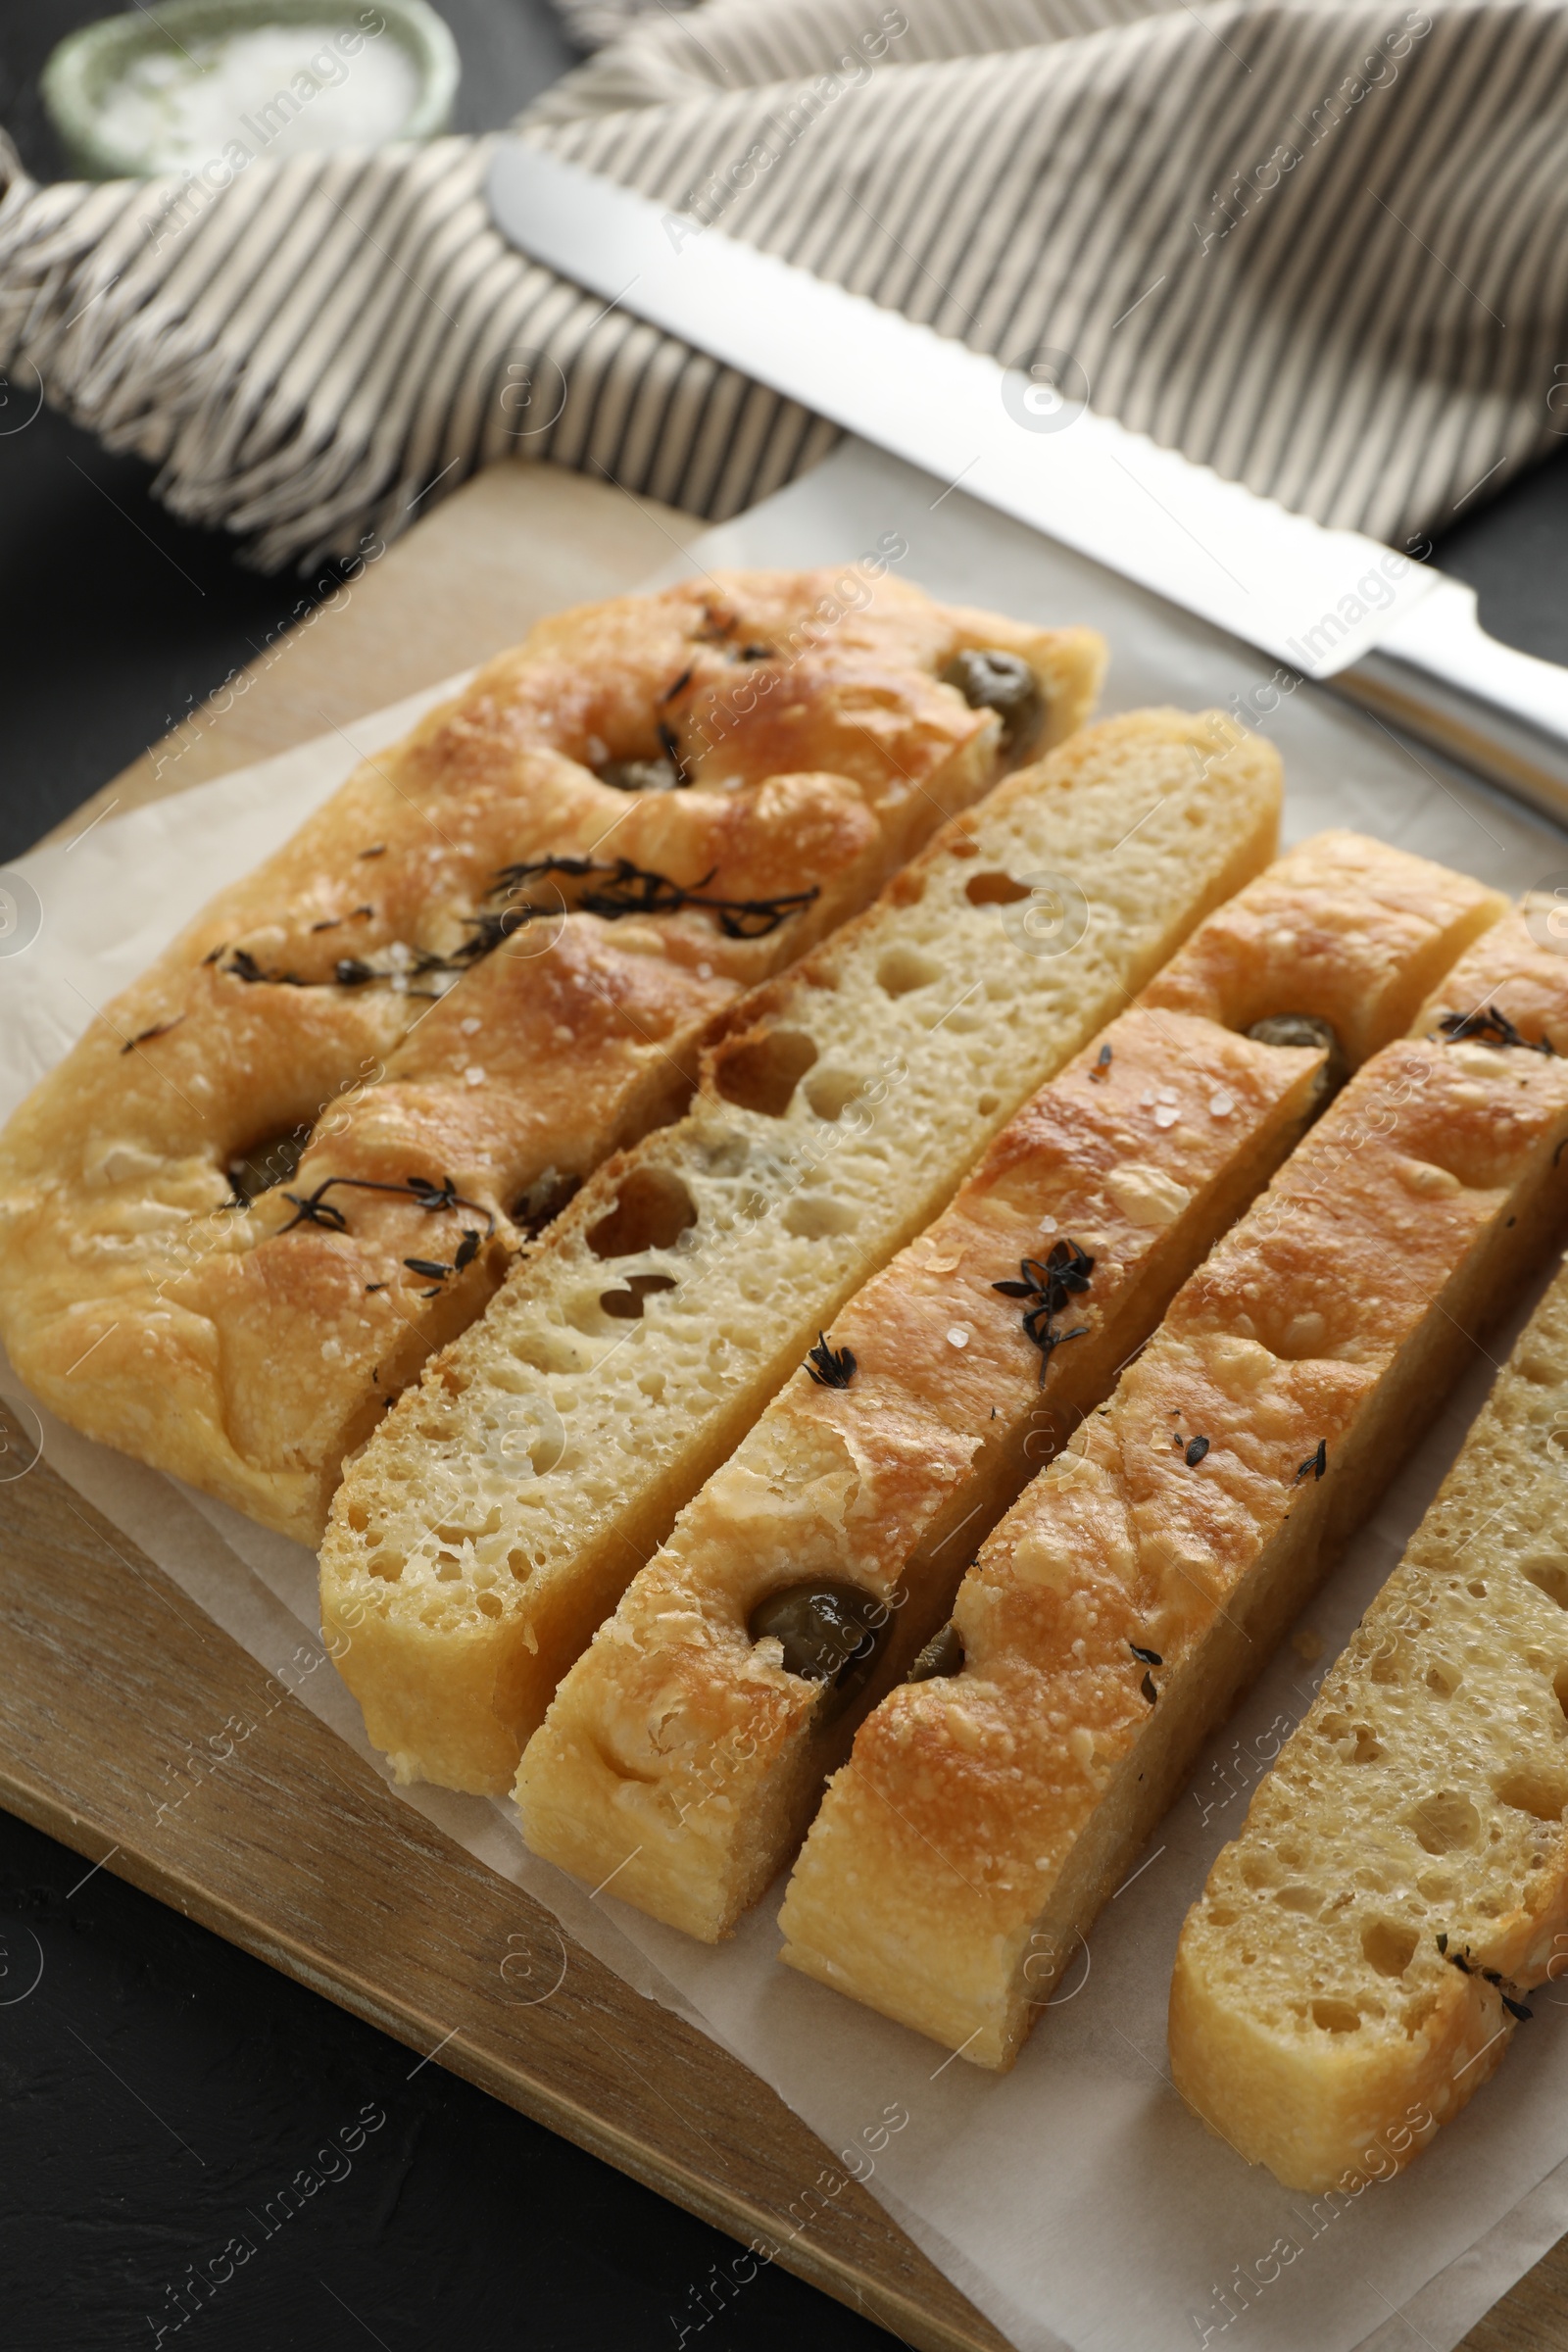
(1333, 1315)
(1143, 1158)
(248, 1349)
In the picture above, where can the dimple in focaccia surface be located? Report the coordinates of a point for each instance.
(843, 1107)
(1331, 1317)
(686, 1759)
(336, 990)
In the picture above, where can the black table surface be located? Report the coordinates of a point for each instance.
(158, 2085)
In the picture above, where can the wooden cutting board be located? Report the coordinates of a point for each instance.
(391, 1920)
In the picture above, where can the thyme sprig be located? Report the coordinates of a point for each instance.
(628, 889)
(1489, 1027)
(314, 1208)
(1047, 1287)
(617, 888)
(830, 1368)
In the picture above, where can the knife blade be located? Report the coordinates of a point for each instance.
(1394, 634)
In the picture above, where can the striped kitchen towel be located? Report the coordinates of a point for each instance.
(1315, 244)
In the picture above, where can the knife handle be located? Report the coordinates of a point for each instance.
(1502, 714)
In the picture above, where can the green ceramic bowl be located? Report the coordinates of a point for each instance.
(87, 64)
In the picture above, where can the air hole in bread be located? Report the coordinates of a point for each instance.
(831, 1092)
(1388, 1946)
(1443, 1678)
(994, 889)
(1550, 1576)
(1559, 1687)
(1305, 1899)
(761, 1073)
(903, 970)
(1533, 1790)
(652, 1210)
(907, 888)
(488, 1605)
(813, 1216)
(1336, 2017)
(1446, 1822)
(985, 1105)
(626, 1306)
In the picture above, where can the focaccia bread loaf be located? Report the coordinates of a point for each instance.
(1361, 1954)
(984, 1817)
(685, 1751)
(500, 1512)
(295, 1158)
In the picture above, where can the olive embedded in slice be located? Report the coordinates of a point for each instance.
(829, 1633)
(260, 1167)
(942, 1655)
(1306, 1029)
(990, 680)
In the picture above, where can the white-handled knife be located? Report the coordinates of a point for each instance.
(1394, 634)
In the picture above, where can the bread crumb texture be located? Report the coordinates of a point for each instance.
(498, 1515)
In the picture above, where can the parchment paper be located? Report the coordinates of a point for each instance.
(1075, 2201)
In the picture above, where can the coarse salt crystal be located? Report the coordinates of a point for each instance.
(1166, 1115)
(1146, 1100)
(1222, 1105)
(474, 1075)
(471, 1026)
(958, 1335)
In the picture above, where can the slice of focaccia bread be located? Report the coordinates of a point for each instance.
(1359, 1959)
(685, 1751)
(296, 1156)
(501, 1511)
(986, 1815)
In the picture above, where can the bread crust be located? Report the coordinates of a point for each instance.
(839, 1113)
(250, 1348)
(1141, 1153)
(1334, 1315)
